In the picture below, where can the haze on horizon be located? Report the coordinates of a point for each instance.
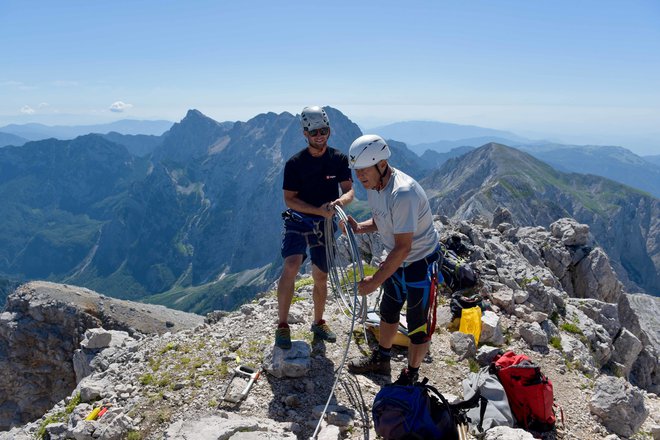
(583, 72)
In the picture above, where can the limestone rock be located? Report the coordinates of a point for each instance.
(595, 278)
(506, 433)
(491, 332)
(228, 425)
(626, 350)
(619, 406)
(463, 345)
(294, 362)
(570, 232)
(534, 335)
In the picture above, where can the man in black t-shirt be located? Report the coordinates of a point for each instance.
(312, 179)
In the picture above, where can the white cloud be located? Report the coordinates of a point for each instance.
(43, 104)
(120, 106)
(27, 110)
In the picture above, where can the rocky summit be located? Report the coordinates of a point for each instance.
(553, 296)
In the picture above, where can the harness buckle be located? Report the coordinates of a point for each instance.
(290, 214)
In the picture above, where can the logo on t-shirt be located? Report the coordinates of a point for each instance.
(330, 177)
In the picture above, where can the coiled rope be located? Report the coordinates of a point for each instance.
(344, 272)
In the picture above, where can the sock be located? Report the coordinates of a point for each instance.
(412, 371)
(283, 325)
(385, 352)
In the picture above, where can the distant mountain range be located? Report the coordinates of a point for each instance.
(190, 218)
(424, 132)
(35, 132)
(11, 139)
(616, 163)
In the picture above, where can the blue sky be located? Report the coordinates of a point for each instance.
(577, 71)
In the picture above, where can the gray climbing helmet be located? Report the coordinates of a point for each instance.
(314, 117)
(366, 151)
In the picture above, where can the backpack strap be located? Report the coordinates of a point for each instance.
(436, 392)
(482, 413)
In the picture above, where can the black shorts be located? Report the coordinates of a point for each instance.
(411, 283)
(298, 237)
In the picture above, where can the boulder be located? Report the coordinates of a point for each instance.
(491, 332)
(294, 362)
(463, 345)
(595, 278)
(506, 433)
(534, 335)
(228, 425)
(570, 232)
(618, 405)
(626, 350)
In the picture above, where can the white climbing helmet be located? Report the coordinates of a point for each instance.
(366, 151)
(314, 117)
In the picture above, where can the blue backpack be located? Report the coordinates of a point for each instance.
(416, 412)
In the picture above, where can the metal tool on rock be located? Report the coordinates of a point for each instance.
(241, 371)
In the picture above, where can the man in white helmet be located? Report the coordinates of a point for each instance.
(312, 181)
(402, 215)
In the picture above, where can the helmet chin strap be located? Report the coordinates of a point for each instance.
(382, 175)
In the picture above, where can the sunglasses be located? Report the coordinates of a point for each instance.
(322, 131)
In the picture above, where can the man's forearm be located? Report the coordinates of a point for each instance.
(366, 226)
(393, 261)
(298, 205)
(346, 198)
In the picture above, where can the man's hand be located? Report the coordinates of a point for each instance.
(337, 202)
(367, 285)
(352, 223)
(326, 210)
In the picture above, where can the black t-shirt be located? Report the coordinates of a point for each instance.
(316, 179)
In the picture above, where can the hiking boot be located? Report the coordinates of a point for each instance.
(322, 331)
(283, 338)
(376, 363)
(407, 378)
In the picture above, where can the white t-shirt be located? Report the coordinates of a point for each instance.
(401, 207)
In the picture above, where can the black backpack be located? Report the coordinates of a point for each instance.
(457, 274)
(466, 300)
(419, 411)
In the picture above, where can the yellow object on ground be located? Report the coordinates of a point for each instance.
(94, 414)
(471, 323)
(373, 325)
(400, 339)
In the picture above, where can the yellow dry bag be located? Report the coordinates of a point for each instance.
(471, 323)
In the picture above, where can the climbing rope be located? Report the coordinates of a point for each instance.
(345, 268)
(344, 272)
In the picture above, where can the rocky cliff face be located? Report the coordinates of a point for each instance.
(42, 326)
(545, 304)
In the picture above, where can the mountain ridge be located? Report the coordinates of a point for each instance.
(477, 183)
(35, 131)
(205, 204)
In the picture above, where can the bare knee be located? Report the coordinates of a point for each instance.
(318, 275)
(291, 266)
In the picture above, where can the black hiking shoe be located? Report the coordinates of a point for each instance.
(376, 363)
(283, 338)
(322, 332)
(407, 378)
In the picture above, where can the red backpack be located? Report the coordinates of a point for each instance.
(529, 392)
